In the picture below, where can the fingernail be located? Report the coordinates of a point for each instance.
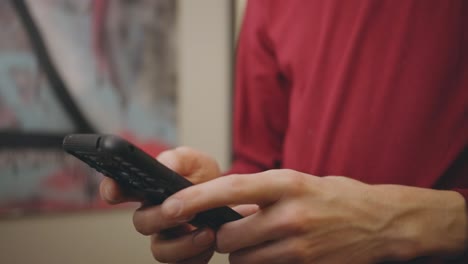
(203, 238)
(172, 208)
(166, 159)
(108, 194)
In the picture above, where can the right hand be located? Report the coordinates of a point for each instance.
(175, 242)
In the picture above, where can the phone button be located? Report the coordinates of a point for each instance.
(134, 169)
(117, 158)
(156, 196)
(124, 174)
(126, 164)
(136, 184)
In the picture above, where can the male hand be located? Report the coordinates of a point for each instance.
(308, 219)
(172, 241)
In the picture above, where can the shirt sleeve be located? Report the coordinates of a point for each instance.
(261, 97)
(464, 193)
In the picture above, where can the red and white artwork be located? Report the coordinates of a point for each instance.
(117, 60)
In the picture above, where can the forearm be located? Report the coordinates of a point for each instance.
(424, 222)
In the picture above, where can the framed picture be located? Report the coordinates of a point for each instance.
(203, 94)
(88, 66)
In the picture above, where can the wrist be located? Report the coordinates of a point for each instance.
(422, 222)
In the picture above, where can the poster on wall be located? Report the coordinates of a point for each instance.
(67, 66)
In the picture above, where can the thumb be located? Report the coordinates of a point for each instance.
(246, 209)
(194, 165)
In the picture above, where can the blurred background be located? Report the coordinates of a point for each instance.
(157, 72)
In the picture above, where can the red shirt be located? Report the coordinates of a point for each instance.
(373, 90)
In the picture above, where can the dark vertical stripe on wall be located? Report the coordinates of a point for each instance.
(57, 84)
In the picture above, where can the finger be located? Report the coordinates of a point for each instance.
(183, 160)
(149, 220)
(112, 193)
(261, 188)
(275, 252)
(182, 248)
(203, 258)
(266, 225)
(174, 160)
(196, 166)
(296, 249)
(246, 209)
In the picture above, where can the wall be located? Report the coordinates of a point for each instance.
(239, 15)
(109, 237)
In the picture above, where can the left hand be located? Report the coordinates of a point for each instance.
(172, 241)
(307, 219)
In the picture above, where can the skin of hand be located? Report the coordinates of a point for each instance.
(306, 219)
(173, 241)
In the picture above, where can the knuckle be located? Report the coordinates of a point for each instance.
(222, 250)
(166, 253)
(235, 258)
(166, 154)
(237, 180)
(296, 182)
(222, 244)
(187, 159)
(237, 183)
(289, 226)
(184, 149)
(204, 258)
(298, 252)
(169, 158)
(141, 224)
(287, 172)
(292, 221)
(159, 254)
(299, 255)
(242, 258)
(187, 154)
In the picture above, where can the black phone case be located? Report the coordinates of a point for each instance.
(138, 173)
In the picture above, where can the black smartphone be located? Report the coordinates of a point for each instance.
(138, 174)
